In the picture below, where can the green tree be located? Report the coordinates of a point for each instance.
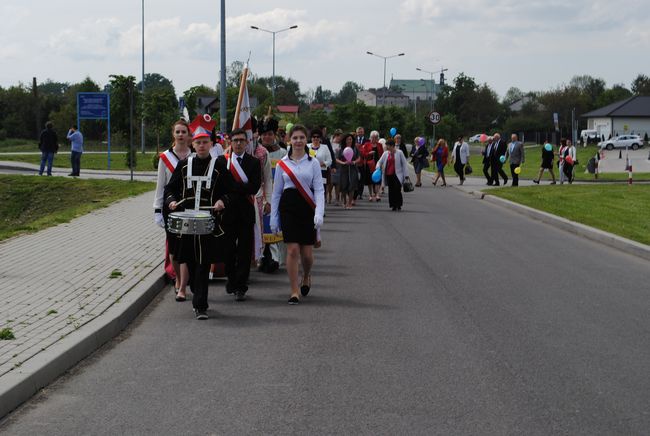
(191, 97)
(641, 85)
(120, 87)
(612, 95)
(348, 93)
(17, 115)
(160, 111)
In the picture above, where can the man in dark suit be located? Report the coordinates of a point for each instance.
(487, 162)
(499, 148)
(242, 181)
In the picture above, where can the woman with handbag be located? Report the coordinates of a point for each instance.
(460, 158)
(394, 170)
(419, 159)
(297, 209)
(440, 156)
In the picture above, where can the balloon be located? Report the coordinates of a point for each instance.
(393, 131)
(289, 127)
(569, 160)
(483, 137)
(421, 141)
(376, 176)
(548, 147)
(502, 158)
(518, 170)
(348, 153)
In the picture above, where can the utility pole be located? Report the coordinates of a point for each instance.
(273, 32)
(37, 107)
(142, 87)
(385, 58)
(222, 79)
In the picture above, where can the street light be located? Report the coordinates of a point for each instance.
(384, 58)
(273, 32)
(433, 87)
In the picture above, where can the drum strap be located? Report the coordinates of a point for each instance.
(199, 180)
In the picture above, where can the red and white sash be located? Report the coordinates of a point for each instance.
(236, 170)
(169, 159)
(305, 191)
(240, 177)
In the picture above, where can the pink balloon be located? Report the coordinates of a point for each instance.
(348, 153)
(483, 137)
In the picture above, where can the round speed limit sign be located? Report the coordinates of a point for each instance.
(434, 117)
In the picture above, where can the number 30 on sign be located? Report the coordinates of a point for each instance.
(434, 117)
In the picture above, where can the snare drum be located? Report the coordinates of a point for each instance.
(190, 222)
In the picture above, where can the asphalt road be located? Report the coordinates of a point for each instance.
(451, 317)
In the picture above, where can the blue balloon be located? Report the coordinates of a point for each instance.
(548, 147)
(502, 159)
(376, 176)
(393, 131)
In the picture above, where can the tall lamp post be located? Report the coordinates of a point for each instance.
(222, 76)
(385, 58)
(433, 88)
(273, 32)
(142, 87)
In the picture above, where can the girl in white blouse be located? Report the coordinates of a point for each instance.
(297, 208)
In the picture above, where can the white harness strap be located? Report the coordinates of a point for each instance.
(199, 180)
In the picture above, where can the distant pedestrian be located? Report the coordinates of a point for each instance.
(76, 149)
(371, 152)
(499, 149)
(348, 173)
(547, 163)
(440, 155)
(567, 156)
(487, 159)
(394, 170)
(460, 157)
(419, 158)
(400, 145)
(517, 157)
(333, 184)
(49, 145)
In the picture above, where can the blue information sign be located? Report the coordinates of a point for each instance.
(93, 105)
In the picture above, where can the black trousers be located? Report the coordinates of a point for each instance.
(238, 254)
(515, 176)
(75, 160)
(459, 168)
(362, 180)
(199, 279)
(395, 198)
(497, 170)
(486, 172)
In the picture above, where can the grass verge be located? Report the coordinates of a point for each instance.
(619, 209)
(29, 203)
(94, 161)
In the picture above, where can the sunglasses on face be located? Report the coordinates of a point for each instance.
(315, 137)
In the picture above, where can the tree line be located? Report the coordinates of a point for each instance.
(467, 106)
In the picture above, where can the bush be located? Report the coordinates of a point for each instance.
(154, 160)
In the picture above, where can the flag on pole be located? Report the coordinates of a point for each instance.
(243, 118)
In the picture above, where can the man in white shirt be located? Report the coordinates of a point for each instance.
(460, 157)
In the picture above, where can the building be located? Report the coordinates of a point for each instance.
(210, 105)
(416, 90)
(288, 109)
(629, 116)
(383, 97)
(328, 108)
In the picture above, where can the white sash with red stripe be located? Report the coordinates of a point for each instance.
(236, 170)
(169, 159)
(305, 191)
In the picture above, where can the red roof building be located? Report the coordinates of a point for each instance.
(288, 109)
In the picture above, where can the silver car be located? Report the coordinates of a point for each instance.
(622, 141)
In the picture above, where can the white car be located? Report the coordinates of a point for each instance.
(622, 141)
(475, 138)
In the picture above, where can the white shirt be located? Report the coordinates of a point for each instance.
(464, 152)
(323, 155)
(305, 170)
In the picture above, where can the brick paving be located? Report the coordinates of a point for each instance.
(59, 279)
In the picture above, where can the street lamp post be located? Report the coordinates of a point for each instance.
(385, 58)
(273, 32)
(142, 88)
(433, 87)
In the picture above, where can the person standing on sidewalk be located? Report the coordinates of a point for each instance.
(499, 149)
(49, 145)
(517, 157)
(487, 159)
(167, 163)
(460, 157)
(547, 163)
(76, 149)
(198, 176)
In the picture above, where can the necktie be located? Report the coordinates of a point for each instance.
(239, 160)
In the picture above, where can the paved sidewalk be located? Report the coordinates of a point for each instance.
(11, 167)
(60, 279)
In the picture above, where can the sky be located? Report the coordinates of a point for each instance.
(534, 45)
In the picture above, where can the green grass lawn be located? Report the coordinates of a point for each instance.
(93, 161)
(16, 145)
(620, 209)
(29, 203)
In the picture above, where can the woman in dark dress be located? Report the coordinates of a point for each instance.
(348, 172)
(547, 164)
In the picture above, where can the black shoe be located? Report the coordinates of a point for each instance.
(71, 174)
(393, 209)
(399, 209)
(293, 301)
(273, 266)
(229, 290)
(201, 315)
(240, 296)
(536, 182)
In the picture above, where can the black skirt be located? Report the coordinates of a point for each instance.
(296, 218)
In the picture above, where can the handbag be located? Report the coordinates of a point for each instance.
(468, 169)
(408, 185)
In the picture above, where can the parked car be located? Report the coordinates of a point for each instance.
(622, 141)
(590, 136)
(475, 138)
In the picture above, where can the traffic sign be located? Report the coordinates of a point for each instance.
(434, 117)
(93, 105)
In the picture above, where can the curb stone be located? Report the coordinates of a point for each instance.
(22, 383)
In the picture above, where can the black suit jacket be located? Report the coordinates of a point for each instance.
(499, 149)
(239, 207)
